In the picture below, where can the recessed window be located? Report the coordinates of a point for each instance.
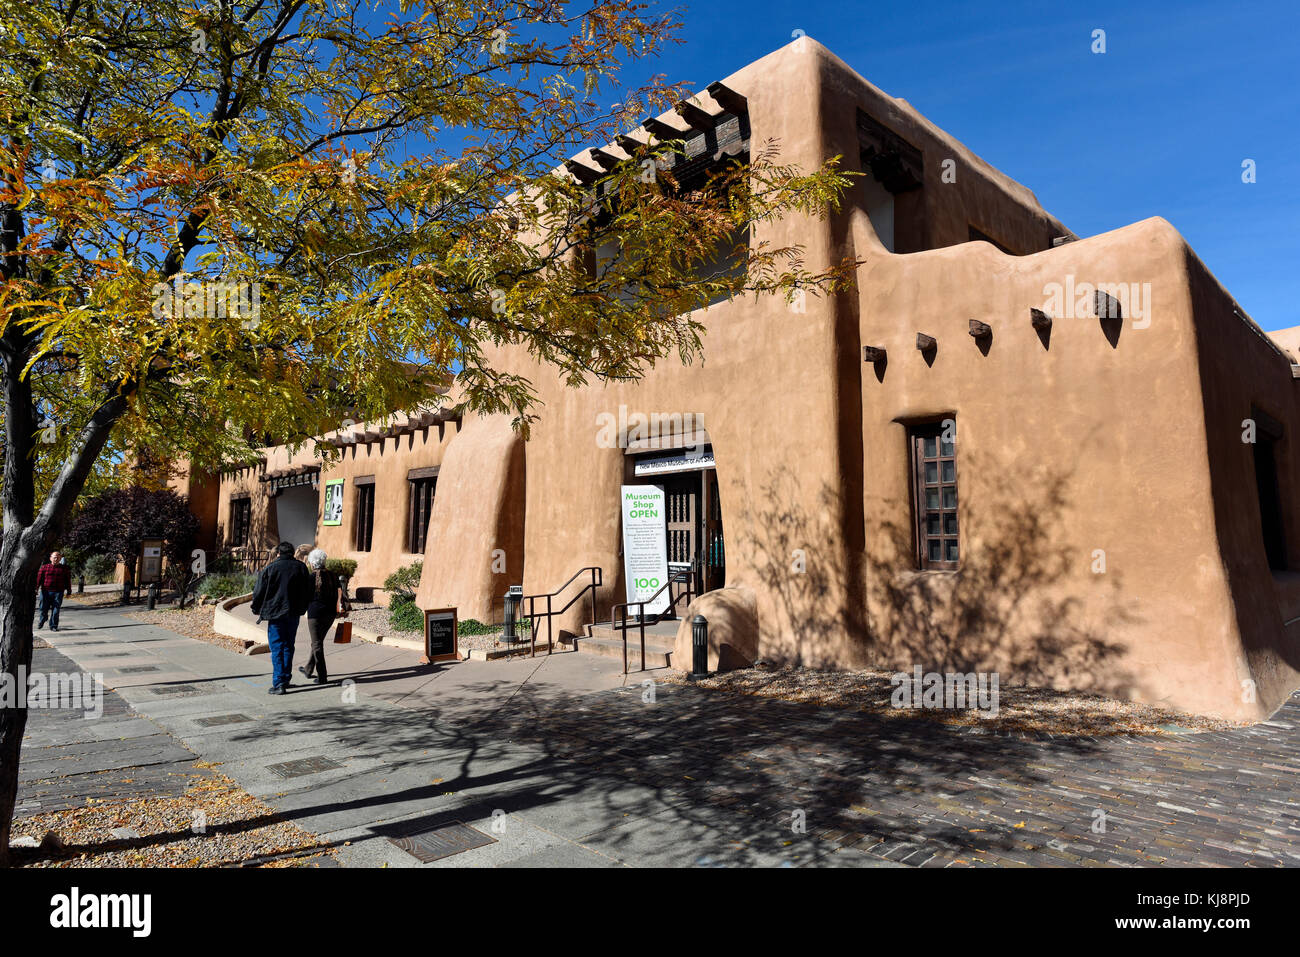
(934, 483)
(241, 515)
(420, 505)
(1268, 436)
(364, 529)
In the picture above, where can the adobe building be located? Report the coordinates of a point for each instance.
(1067, 460)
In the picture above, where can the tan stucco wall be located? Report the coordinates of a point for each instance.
(388, 460)
(476, 531)
(1119, 437)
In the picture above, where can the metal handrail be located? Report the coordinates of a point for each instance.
(597, 579)
(686, 575)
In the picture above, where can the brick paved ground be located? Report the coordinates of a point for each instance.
(589, 773)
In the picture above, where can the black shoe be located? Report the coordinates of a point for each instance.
(276, 689)
(320, 681)
(40, 626)
(54, 627)
(302, 669)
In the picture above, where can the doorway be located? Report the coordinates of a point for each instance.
(693, 519)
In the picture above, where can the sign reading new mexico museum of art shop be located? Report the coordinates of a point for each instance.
(332, 513)
(645, 545)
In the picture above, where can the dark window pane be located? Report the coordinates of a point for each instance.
(950, 496)
(930, 446)
(947, 447)
(950, 550)
(932, 523)
(950, 471)
(950, 523)
(935, 556)
(932, 498)
(931, 473)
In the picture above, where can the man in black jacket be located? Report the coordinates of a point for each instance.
(281, 595)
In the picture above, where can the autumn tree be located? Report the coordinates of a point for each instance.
(233, 219)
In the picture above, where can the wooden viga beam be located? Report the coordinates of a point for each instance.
(607, 161)
(695, 116)
(728, 99)
(1039, 319)
(980, 330)
(584, 174)
(662, 131)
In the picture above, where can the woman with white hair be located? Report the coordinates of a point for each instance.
(321, 611)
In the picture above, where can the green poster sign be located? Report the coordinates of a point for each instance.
(333, 511)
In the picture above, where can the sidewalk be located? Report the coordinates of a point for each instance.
(576, 765)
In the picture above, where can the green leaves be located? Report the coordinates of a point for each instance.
(386, 185)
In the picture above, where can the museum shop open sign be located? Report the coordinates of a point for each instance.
(645, 546)
(440, 643)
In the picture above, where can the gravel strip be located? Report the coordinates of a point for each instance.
(161, 832)
(1021, 709)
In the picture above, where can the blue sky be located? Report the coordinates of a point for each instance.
(1157, 126)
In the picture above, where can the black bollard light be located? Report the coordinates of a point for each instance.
(513, 594)
(699, 647)
(81, 584)
(153, 595)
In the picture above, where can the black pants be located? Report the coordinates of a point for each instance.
(318, 628)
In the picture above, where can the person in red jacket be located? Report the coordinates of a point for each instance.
(54, 580)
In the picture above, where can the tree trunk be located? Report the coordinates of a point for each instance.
(17, 609)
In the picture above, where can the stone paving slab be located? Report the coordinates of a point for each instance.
(587, 772)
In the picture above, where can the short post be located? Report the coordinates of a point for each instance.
(81, 584)
(699, 647)
(153, 595)
(513, 596)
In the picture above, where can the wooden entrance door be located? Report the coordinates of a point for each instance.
(694, 526)
(682, 501)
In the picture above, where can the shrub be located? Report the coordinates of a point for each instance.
(472, 626)
(404, 583)
(225, 564)
(343, 567)
(227, 585)
(405, 615)
(99, 569)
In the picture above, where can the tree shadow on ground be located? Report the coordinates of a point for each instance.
(716, 775)
(1014, 607)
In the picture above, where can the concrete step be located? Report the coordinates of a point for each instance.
(661, 632)
(657, 654)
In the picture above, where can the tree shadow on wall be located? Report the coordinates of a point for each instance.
(1014, 607)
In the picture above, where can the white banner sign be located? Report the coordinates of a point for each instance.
(645, 545)
(686, 460)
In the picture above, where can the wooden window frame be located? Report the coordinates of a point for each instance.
(363, 529)
(917, 434)
(418, 509)
(241, 521)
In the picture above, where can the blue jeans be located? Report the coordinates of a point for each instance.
(280, 633)
(51, 602)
